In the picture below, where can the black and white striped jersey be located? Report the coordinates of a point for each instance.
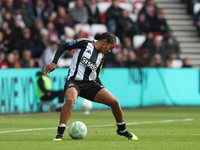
(86, 62)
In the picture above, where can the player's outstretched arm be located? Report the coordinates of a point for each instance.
(49, 68)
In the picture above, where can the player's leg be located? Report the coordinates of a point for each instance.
(105, 97)
(71, 95)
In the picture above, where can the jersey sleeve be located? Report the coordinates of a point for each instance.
(79, 43)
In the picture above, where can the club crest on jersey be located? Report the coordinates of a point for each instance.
(88, 63)
(72, 42)
(89, 51)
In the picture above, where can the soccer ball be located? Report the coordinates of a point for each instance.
(86, 106)
(77, 130)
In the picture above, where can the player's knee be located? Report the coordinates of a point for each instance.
(115, 102)
(70, 102)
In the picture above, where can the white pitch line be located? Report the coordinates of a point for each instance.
(106, 125)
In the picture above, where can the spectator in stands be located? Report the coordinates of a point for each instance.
(62, 20)
(7, 6)
(51, 16)
(148, 43)
(53, 33)
(23, 18)
(27, 8)
(125, 53)
(25, 59)
(17, 56)
(64, 3)
(93, 12)
(16, 32)
(127, 44)
(39, 9)
(2, 56)
(79, 13)
(186, 63)
(142, 24)
(7, 35)
(158, 49)
(7, 16)
(68, 37)
(69, 34)
(25, 42)
(2, 46)
(157, 61)
(168, 63)
(44, 34)
(32, 63)
(117, 62)
(144, 57)
(8, 62)
(190, 5)
(149, 9)
(112, 15)
(35, 30)
(158, 23)
(42, 43)
(170, 44)
(197, 19)
(125, 26)
(132, 60)
(49, 53)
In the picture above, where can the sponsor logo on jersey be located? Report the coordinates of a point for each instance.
(72, 42)
(88, 63)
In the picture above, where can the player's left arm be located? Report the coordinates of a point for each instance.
(67, 46)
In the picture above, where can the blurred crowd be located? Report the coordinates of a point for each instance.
(195, 13)
(32, 30)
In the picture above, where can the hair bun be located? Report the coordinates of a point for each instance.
(97, 36)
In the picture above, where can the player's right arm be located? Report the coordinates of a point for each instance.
(79, 43)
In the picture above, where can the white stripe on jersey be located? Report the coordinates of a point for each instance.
(73, 63)
(81, 67)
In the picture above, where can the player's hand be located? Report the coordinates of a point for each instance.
(49, 68)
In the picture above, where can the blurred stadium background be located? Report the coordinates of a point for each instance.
(154, 67)
(156, 56)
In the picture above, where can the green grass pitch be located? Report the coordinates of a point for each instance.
(157, 129)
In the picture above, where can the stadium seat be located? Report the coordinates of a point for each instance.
(133, 16)
(118, 41)
(84, 27)
(72, 4)
(160, 37)
(138, 40)
(51, 107)
(196, 8)
(117, 47)
(98, 28)
(103, 6)
(127, 6)
(137, 5)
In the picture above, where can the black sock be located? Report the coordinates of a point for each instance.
(121, 126)
(61, 129)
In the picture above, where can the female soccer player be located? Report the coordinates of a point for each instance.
(83, 80)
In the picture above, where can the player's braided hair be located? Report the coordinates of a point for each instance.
(110, 37)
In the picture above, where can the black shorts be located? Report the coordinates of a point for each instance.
(85, 89)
